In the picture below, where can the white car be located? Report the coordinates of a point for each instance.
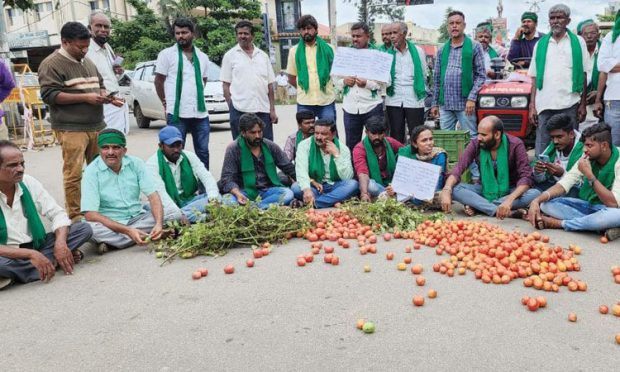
(146, 103)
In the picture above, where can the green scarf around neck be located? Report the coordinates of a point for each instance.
(605, 174)
(324, 60)
(407, 151)
(298, 138)
(595, 73)
(188, 180)
(316, 166)
(347, 88)
(615, 31)
(373, 162)
(467, 68)
(248, 172)
(492, 52)
(200, 95)
(577, 57)
(37, 230)
(494, 187)
(419, 88)
(575, 154)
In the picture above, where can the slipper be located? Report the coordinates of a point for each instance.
(540, 224)
(520, 213)
(77, 256)
(469, 211)
(296, 203)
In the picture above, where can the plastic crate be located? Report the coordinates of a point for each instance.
(453, 141)
(465, 177)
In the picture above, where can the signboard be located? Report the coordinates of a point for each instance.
(368, 64)
(24, 40)
(415, 179)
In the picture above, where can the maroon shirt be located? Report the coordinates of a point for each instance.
(518, 162)
(359, 157)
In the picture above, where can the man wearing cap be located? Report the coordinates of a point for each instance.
(526, 37)
(111, 188)
(177, 174)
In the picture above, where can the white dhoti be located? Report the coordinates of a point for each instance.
(117, 117)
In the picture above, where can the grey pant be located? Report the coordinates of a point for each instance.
(542, 135)
(23, 271)
(102, 234)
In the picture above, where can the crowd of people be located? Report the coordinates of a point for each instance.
(572, 184)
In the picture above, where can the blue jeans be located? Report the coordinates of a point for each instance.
(545, 185)
(332, 193)
(200, 130)
(234, 123)
(447, 121)
(374, 189)
(354, 124)
(327, 112)
(471, 195)
(271, 195)
(195, 209)
(612, 117)
(580, 215)
(542, 134)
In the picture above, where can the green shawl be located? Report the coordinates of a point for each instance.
(573, 157)
(298, 138)
(595, 73)
(316, 169)
(418, 72)
(188, 180)
(200, 95)
(615, 31)
(494, 187)
(577, 57)
(373, 162)
(605, 174)
(37, 230)
(248, 172)
(324, 59)
(492, 52)
(467, 68)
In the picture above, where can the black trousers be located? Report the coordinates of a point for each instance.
(398, 116)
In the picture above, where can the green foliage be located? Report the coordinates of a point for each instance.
(21, 4)
(443, 29)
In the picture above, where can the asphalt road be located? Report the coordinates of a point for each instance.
(124, 312)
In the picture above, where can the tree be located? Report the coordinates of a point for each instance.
(443, 29)
(21, 4)
(369, 10)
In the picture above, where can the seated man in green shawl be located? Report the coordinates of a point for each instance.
(178, 174)
(323, 168)
(111, 188)
(28, 252)
(598, 205)
(250, 167)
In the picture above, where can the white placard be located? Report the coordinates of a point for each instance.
(367, 64)
(414, 178)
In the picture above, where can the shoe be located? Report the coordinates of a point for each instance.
(613, 233)
(102, 248)
(5, 282)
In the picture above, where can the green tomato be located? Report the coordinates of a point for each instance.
(369, 327)
(159, 254)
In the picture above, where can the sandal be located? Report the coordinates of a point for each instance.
(469, 211)
(77, 256)
(520, 214)
(540, 224)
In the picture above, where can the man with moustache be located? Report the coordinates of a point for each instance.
(361, 97)
(505, 175)
(386, 31)
(559, 72)
(100, 52)
(484, 33)
(305, 128)
(598, 206)
(111, 189)
(180, 75)
(247, 79)
(591, 35)
(526, 37)
(250, 167)
(75, 93)
(374, 159)
(309, 66)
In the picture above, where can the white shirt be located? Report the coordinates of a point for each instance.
(167, 64)
(249, 78)
(18, 231)
(103, 58)
(404, 96)
(608, 58)
(201, 173)
(282, 80)
(590, 118)
(360, 100)
(574, 176)
(558, 81)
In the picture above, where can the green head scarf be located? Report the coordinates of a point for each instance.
(530, 15)
(111, 138)
(583, 24)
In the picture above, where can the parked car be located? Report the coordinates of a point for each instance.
(148, 107)
(124, 87)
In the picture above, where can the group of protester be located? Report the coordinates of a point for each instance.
(574, 184)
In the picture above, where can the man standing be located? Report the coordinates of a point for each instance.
(178, 174)
(282, 87)
(404, 103)
(609, 65)
(386, 36)
(558, 70)
(247, 78)
(250, 167)
(362, 98)
(591, 35)
(27, 251)
(305, 129)
(180, 75)
(484, 34)
(100, 52)
(598, 205)
(522, 45)
(6, 86)
(309, 65)
(75, 93)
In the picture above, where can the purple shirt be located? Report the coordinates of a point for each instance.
(6, 83)
(518, 162)
(523, 48)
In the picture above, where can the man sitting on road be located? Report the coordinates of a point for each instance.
(111, 189)
(561, 155)
(375, 159)
(305, 129)
(598, 205)
(323, 168)
(27, 251)
(178, 174)
(250, 167)
(505, 174)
